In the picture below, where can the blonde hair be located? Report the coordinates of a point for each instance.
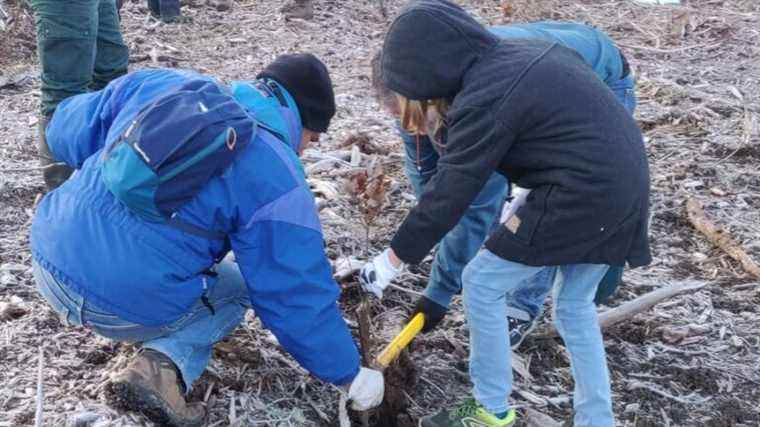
(414, 115)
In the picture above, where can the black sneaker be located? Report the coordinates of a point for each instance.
(518, 330)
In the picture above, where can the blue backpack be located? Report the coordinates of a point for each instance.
(173, 147)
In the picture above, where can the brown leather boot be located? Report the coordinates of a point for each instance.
(55, 173)
(151, 385)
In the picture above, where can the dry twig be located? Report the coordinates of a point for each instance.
(685, 400)
(720, 237)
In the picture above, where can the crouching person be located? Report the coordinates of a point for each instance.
(175, 170)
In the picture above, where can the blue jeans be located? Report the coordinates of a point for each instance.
(461, 244)
(625, 91)
(188, 342)
(490, 284)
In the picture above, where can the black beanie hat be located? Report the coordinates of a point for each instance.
(307, 80)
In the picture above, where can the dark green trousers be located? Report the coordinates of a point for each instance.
(80, 48)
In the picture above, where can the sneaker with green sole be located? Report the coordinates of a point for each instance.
(468, 414)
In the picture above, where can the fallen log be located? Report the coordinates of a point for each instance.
(719, 237)
(631, 308)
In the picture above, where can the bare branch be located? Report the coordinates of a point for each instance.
(636, 306)
(720, 238)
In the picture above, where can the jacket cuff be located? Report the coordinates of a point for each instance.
(347, 380)
(406, 249)
(438, 294)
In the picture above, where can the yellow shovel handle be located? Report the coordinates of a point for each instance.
(391, 352)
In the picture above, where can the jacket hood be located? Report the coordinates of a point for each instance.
(429, 48)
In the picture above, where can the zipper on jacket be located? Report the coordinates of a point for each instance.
(204, 297)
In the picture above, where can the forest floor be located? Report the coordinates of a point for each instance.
(693, 360)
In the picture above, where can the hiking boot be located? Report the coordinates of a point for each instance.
(54, 173)
(468, 414)
(151, 385)
(298, 9)
(519, 329)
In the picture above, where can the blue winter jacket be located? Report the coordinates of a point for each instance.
(596, 48)
(150, 273)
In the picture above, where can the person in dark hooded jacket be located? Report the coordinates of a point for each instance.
(461, 244)
(536, 113)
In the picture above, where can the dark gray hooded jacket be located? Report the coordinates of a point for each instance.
(536, 113)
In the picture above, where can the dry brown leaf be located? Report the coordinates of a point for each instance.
(369, 188)
(507, 9)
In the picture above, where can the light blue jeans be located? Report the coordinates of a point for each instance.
(490, 283)
(188, 342)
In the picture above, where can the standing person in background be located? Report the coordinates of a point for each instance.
(461, 244)
(167, 11)
(81, 49)
(536, 113)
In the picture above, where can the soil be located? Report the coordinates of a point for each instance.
(697, 67)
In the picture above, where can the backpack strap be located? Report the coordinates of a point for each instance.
(270, 86)
(177, 223)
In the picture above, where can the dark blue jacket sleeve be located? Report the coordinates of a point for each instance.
(281, 255)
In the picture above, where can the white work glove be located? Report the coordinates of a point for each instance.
(377, 274)
(367, 390)
(510, 207)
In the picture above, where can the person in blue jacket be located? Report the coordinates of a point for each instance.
(462, 243)
(102, 267)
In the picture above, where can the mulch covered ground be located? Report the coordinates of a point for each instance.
(692, 360)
